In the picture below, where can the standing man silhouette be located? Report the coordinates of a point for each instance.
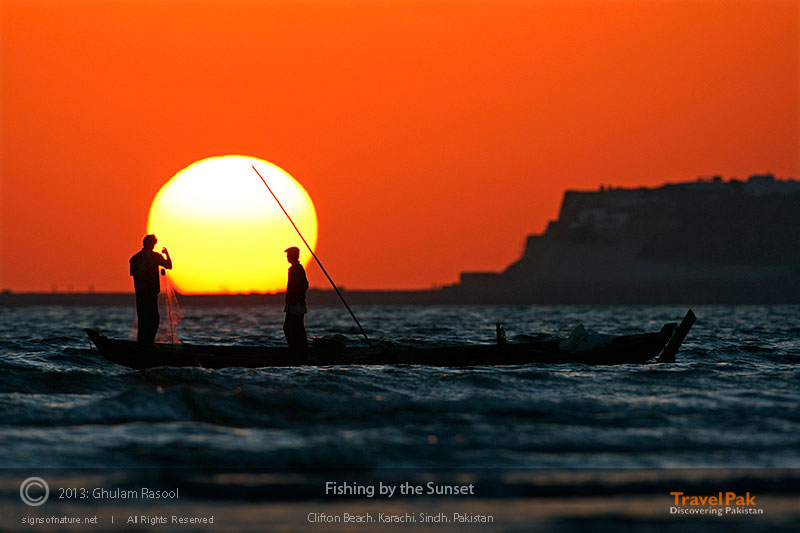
(144, 269)
(293, 326)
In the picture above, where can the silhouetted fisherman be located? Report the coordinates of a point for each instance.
(144, 269)
(293, 326)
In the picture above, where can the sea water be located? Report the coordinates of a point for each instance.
(730, 401)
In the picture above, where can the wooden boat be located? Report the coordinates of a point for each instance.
(628, 349)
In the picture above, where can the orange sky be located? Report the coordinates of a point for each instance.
(432, 136)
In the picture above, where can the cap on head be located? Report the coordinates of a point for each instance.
(149, 240)
(293, 251)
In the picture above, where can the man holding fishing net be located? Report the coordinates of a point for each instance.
(144, 269)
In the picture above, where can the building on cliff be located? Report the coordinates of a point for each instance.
(708, 241)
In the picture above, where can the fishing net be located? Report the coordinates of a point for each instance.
(170, 312)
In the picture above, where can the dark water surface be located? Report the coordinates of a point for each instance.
(731, 401)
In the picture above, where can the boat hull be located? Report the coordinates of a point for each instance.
(628, 349)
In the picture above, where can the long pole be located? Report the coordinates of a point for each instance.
(352, 314)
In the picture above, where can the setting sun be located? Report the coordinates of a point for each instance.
(224, 230)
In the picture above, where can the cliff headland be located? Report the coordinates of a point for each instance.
(707, 241)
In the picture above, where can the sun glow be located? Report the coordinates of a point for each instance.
(224, 230)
